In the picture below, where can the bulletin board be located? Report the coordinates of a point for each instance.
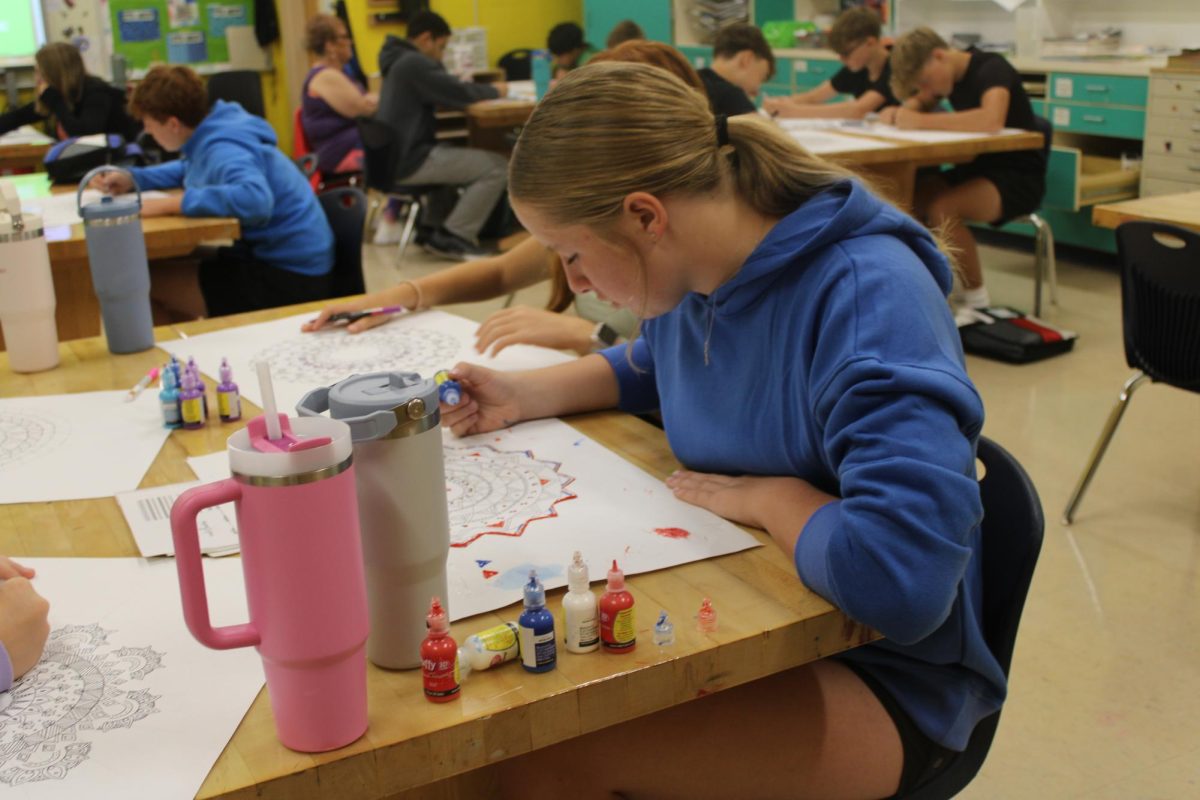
(176, 31)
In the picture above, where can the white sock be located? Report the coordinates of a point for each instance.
(975, 298)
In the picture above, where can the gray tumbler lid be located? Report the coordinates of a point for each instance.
(108, 207)
(379, 405)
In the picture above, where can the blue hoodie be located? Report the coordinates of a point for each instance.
(832, 356)
(232, 167)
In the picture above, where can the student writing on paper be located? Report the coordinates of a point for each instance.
(24, 625)
(75, 103)
(797, 341)
(598, 323)
(987, 95)
(742, 62)
(232, 167)
(856, 36)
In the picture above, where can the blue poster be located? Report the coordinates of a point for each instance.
(139, 25)
(186, 47)
(221, 17)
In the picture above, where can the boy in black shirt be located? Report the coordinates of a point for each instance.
(986, 94)
(742, 61)
(865, 74)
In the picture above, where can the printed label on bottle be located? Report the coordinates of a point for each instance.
(499, 639)
(537, 650)
(440, 676)
(624, 631)
(192, 410)
(170, 410)
(228, 405)
(586, 633)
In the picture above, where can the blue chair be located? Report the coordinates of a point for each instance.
(1013, 525)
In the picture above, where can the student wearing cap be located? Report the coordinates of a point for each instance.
(568, 47)
(742, 62)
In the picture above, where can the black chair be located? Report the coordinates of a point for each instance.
(379, 170)
(1044, 266)
(1012, 539)
(346, 210)
(1160, 314)
(240, 86)
(307, 164)
(517, 65)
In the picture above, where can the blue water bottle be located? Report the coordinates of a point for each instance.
(536, 627)
(541, 72)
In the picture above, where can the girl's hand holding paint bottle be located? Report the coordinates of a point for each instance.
(489, 400)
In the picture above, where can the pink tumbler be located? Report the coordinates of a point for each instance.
(297, 515)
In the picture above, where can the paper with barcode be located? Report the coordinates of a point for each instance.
(148, 512)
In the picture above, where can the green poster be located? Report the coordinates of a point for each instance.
(176, 31)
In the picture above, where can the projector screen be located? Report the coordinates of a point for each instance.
(21, 31)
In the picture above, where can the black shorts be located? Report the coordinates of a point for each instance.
(234, 281)
(1021, 190)
(924, 759)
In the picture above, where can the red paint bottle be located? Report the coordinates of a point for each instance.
(439, 657)
(618, 627)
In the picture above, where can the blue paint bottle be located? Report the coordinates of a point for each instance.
(536, 624)
(168, 398)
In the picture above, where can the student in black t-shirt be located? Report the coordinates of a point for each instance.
(865, 74)
(742, 61)
(986, 94)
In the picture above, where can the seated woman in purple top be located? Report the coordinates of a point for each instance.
(331, 100)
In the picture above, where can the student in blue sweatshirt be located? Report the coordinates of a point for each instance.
(23, 622)
(798, 343)
(232, 167)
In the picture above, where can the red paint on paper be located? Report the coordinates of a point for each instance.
(673, 533)
(489, 573)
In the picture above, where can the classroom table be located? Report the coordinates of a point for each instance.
(769, 622)
(78, 311)
(489, 122)
(1175, 209)
(22, 156)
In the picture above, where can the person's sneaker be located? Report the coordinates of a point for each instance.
(442, 242)
(970, 298)
(387, 231)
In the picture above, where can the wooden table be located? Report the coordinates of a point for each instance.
(769, 623)
(78, 312)
(22, 156)
(489, 122)
(1175, 209)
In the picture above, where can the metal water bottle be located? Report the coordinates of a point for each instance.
(27, 299)
(120, 272)
(395, 423)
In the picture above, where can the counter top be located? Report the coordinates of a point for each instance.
(1135, 67)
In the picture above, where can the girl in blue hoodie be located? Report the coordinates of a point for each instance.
(231, 166)
(798, 343)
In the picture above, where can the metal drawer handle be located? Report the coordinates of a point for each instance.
(1095, 88)
(1093, 118)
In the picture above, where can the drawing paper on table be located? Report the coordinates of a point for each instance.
(825, 141)
(210, 468)
(933, 137)
(148, 512)
(61, 209)
(75, 446)
(423, 342)
(124, 702)
(26, 134)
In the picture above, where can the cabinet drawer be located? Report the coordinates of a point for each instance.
(1172, 126)
(1112, 89)
(1101, 120)
(1182, 87)
(1039, 108)
(1075, 180)
(1179, 108)
(1174, 146)
(814, 70)
(1157, 186)
(1172, 168)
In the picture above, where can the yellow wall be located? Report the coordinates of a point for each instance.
(274, 86)
(511, 24)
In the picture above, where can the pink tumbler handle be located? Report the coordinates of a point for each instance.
(191, 573)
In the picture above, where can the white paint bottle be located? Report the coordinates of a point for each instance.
(581, 622)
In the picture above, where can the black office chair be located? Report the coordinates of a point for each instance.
(1012, 539)
(517, 64)
(379, 169)
(1044, 266)
(307, 164)
(1160, 314)
(346, 210)
(240, 86)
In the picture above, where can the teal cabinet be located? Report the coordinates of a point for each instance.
(1127, 123)
(809, 73)
(698, 55)
(1104, 89)
(600, 16)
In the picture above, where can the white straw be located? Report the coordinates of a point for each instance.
(274, 432)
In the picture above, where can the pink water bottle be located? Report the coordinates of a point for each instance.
(297, 513)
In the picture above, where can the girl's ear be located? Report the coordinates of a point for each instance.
(646, 212)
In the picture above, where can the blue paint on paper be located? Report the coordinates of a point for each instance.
(518, 576)
(482, 562)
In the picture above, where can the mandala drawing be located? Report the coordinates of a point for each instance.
(81, 685)
(324, 359)
(25, 435)
(499, 492)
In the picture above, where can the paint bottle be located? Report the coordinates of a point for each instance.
(618, 628)
(706, 617)
(439, 657)
(168, 399)
(488, 648)
(664, 631)
(581, 620)
(195, 370)
(191, 406)
(176, 368)
(449, 390)
(536, 624)
(229, 400)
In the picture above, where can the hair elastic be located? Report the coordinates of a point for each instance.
(722, 130)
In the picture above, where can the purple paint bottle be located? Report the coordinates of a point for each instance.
(191, 403)
(229, 400)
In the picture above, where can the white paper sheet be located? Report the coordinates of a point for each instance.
(74, 446)
(423, 343)
(824, 142)
(529, 496)
(933, 137)
(148, 513)
(124, 703)
(26, 134)
(61, 209)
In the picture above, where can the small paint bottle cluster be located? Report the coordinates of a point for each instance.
(184, 395)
